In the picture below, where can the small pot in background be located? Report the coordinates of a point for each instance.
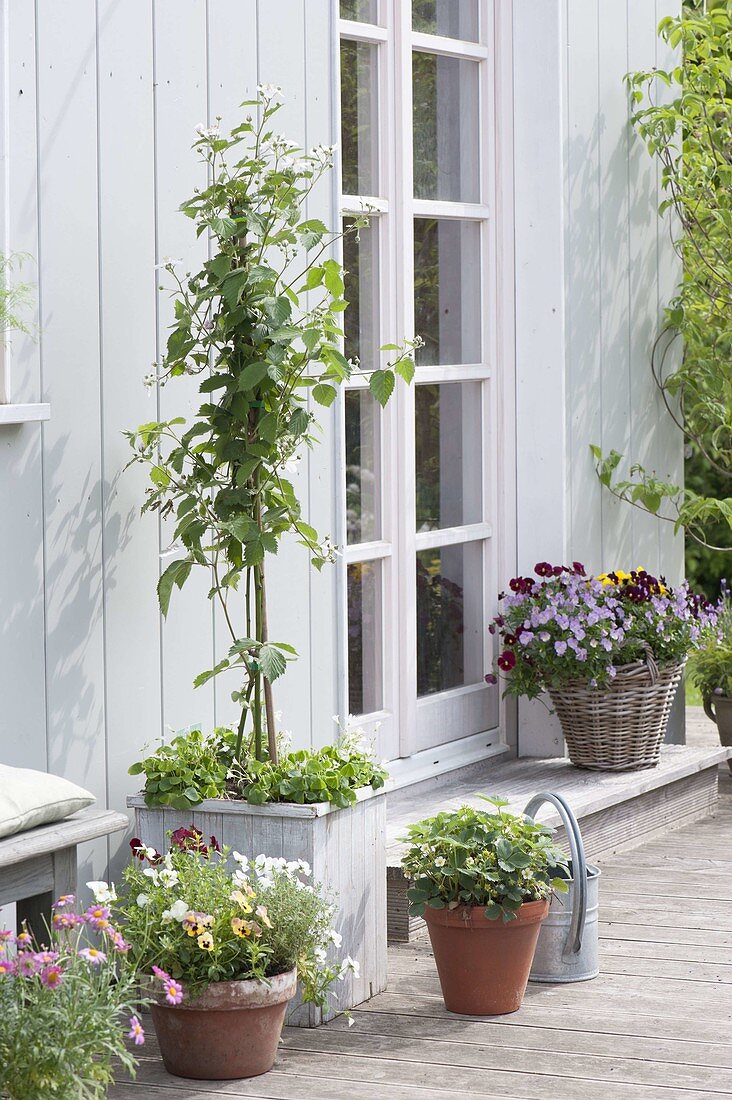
(719, 709)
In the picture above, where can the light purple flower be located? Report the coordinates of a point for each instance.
(560, 647)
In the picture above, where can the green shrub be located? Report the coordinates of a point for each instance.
(710, 667)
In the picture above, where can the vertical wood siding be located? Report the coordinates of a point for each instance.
(620, 273)
(594, 269)
(100, 105)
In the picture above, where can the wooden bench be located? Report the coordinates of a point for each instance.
(38, 866)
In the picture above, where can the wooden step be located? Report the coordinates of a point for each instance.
(616, 811)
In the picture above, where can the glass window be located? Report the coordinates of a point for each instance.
(449, 646)
(364, 638)
(363, 521)
(362, 11)
(447, 293)
(446, 136)
(449, 18)
(448, 454)
(361, 317)
(358, 118)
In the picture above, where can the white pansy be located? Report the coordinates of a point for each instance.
(142, 900)
(152, 873)
(168, 878)
(349, 965)
(319, 955)
(103, 893)
(334, 937)
(177, 911)
(240, 859)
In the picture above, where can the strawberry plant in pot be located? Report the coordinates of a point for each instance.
(260, 326)
(609, 650)
(482, 880)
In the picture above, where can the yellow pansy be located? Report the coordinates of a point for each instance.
(205, 941)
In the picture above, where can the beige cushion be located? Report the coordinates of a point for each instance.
(29, 799)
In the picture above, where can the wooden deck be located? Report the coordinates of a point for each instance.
(656, 1024)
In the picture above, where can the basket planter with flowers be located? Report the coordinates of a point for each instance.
(225, 951)
(608, 649)
(482, 881)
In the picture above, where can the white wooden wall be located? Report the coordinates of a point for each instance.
(100, 100)
(100, 104)
(594, 269)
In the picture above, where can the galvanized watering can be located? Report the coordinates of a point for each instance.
(567, 950)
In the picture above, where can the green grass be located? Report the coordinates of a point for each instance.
(693, 695)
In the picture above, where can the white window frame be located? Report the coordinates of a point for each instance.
(394, 210)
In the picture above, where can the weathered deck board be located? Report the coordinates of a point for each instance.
(656, 1024)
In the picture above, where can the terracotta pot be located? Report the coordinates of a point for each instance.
(719, 709)
(231, 1030)
(483, 964)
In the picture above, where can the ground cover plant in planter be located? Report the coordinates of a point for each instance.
(609, 650)
(710, 668)
(225, 950)
(482, 880)
(68, 1007)
(260, 326)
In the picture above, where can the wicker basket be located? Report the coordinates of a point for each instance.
(619, 727)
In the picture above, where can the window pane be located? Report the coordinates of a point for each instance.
(364, 637)
(446, 133)
(363, 521)
(447, 453)
(358, 118)
(447, 300)
(449, 612)
(363, 11)
(361, 318)
(450, 18)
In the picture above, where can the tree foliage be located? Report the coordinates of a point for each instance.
(259, 325)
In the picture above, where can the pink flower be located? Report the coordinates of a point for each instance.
(26, 965)
(93, 956)
(5, 935)
(97, 916)
(136, 1031)
(173, 991)
(24, 940)
(6, 967)
(45, 958)
(64, 901)
(119, 943)
(52, 976)
(64, 921)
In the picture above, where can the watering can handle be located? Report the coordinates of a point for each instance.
(579, 864)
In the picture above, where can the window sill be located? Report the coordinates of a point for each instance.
(24, 414)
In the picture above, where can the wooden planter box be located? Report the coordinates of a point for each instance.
(346, 850)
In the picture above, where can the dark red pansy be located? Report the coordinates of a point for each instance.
(579, 568)
(138, 848)
(491, 678)
(543, 569)
(506, 661)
